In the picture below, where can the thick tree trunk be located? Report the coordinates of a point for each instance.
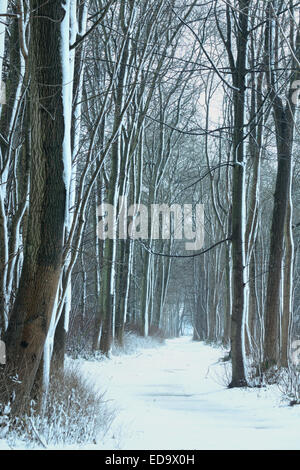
(238, 207)
(239, 71)
(273, 301)
(29, 323)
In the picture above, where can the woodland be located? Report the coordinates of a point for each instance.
(153, 102)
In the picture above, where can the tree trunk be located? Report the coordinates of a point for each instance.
(238, 206)
(272, 313)
(29, 323)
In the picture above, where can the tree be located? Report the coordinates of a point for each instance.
(37, 292)
(284, 110)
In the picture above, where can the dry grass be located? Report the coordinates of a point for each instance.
(289, 385)
(74, 412)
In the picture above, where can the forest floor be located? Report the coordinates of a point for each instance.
(175, 397)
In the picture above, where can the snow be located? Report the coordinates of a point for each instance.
(67, 91)
(4, 445)
(175, 396)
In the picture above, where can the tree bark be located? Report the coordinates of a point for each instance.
(238, 206)
(29, 323)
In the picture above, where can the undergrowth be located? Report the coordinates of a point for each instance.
(74, 412)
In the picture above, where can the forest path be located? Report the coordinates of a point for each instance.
(175, 397)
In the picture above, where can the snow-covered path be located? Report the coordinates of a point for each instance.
(175, 397)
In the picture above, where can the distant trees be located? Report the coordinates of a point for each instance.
(264, 65)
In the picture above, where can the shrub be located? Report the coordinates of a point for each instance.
(133, 343)
(289, 385)
(73, 413)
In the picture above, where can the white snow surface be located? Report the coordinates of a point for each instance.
(174, 396)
